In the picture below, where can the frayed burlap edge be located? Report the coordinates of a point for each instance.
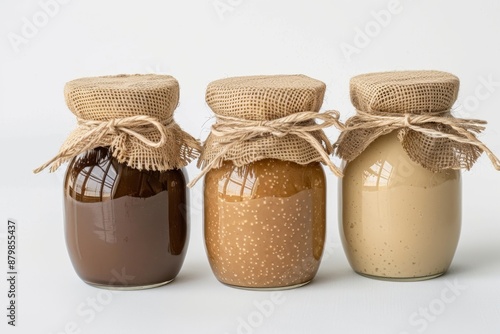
(297, 138)
(433, 141)
(172, 148)
(269, 147)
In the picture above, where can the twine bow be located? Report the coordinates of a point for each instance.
(464, 128)
(231, 131)
(135, 126)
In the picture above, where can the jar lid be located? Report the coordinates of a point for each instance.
(267, 117)
(412, 92)
(265, 97)
(417, 105)
(107, 97)
(133, 116)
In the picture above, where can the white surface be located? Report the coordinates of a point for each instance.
(189, 40)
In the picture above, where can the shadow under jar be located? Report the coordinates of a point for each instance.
(125, 228)
(265, 223)
(398, 220)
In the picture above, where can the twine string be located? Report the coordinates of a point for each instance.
(230, 131)
(95, 131)
(464, 128)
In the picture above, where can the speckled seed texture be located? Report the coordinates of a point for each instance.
(265, 223)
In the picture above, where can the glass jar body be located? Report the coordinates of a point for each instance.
(398, 220)
(124, 228)
(265, 223)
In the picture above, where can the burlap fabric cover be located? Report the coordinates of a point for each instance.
(436, 142)
(264, 98)
(133, 115)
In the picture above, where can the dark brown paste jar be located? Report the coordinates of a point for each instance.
(124, 227)
(126, 209)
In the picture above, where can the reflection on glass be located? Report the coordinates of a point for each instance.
(240, 181)
(94, 175)
(377, 175)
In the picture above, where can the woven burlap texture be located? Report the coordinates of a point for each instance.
(417, 104)
(258, 101)
(131, 114)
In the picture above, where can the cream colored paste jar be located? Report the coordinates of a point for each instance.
(399, 220)
(400, 196)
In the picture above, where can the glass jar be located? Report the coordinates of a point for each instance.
(398, 220)
(125, 228)
(265, 223)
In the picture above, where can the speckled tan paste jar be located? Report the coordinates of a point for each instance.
(265, 201)
(398, 219)
(265, 223)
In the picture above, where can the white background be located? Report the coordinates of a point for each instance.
(197, 42)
